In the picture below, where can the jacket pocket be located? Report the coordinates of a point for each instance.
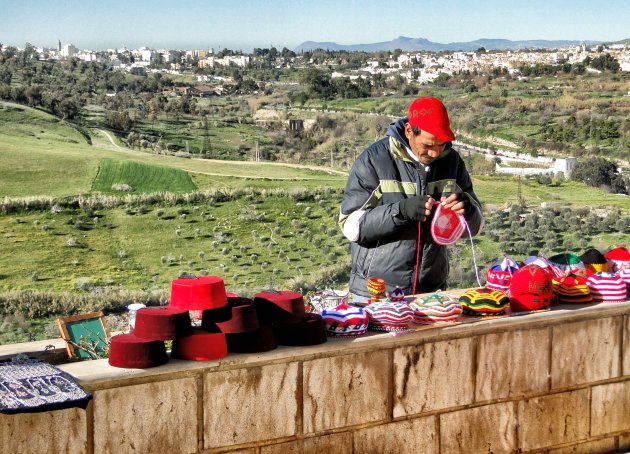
(364, 260)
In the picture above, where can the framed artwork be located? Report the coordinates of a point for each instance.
(86, 335)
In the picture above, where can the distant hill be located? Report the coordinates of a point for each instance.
(422, 44)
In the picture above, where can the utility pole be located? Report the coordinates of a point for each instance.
(257, 152)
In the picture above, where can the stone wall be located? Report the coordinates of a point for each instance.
(552, 382)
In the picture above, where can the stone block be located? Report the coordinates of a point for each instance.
(490, 428)
(340, 443)
(584, 352)
(590, 447)
(433, 376)
(624, 442)
(53, 431)
(610, 408)
(152, 417)
(512, 364)
(552, 420)
(413, 436)
(240, 451)
(250, 404)
(626, 345)
(346, 390)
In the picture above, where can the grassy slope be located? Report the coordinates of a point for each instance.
(138, 250)
(39, 155)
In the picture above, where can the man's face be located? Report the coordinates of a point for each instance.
(426, 147)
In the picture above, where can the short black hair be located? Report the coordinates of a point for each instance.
(416, 131)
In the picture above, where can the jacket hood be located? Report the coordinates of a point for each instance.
(397, 130)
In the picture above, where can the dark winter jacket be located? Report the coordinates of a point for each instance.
(383, 244)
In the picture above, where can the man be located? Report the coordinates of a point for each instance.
(389, 200)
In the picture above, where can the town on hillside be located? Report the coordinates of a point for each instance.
(416, 66)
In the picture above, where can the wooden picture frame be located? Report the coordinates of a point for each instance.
(86, 335)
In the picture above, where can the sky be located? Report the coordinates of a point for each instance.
(247, 24)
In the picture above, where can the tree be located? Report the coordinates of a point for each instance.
(595, 172)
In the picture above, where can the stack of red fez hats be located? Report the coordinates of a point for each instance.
(292, 325)
(206, 294)
(243, 331)
(145, 347)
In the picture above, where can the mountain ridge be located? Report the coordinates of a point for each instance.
(408, 44)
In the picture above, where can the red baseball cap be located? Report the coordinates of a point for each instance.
(429, 114)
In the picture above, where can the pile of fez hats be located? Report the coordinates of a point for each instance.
(229, 324)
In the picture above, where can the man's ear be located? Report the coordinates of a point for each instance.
(408, 131)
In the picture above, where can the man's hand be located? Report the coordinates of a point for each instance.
(416, 208)
(456, 202)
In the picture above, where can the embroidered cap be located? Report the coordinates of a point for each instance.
(435, 308)
(429, 114)
(530, 289)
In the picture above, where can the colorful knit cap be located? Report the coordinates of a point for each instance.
(543, 263)
(530, 289)
(345, 320)
(389, 315)
(447, 226)
(625, 277)
(484, 301)
(594, 260)
(397, 294)
(376, 288)
(618, 259)
(435, 308)
(571, 289)
(607, 287)
(566, 261)
(500, 273)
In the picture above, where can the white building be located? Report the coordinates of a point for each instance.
(68, 50)
(564, 165)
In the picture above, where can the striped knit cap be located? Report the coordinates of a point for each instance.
(345, 320)
(389, 315)
(566, 261)
(500, 273)
(571, 289)
(594, 260)
(435, 308)
(625, 277)
(484, 301)
(618, 259)
(607, 287)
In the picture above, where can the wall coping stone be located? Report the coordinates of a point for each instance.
(98, 374)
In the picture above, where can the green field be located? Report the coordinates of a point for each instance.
(140, 177)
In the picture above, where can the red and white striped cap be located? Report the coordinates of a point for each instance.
(607, 287)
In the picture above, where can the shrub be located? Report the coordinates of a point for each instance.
(122, 187)
(84, 284)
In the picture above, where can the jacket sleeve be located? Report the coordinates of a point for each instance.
(473, 214)
(363, 219)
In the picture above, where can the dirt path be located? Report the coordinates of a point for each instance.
(130, 151)
(106, 134)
